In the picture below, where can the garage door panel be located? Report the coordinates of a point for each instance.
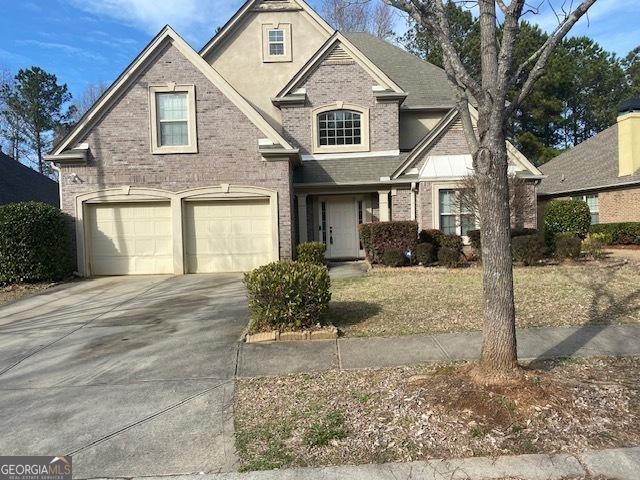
(130, 238)
(227, 236)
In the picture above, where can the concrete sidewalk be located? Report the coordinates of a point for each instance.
(619, 463)
(261, 359)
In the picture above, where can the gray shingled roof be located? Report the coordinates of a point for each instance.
(347, 170)
(426, 84)
(19, 183)
(590, 165)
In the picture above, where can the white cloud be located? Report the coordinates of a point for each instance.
(62, 47)
(194, 19)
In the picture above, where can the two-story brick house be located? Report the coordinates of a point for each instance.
(280, 130)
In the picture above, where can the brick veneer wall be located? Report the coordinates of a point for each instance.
(620, 205)
(348, 82)
(401, 205)
(120, 153)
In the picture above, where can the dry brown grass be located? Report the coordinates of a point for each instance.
(11, 293)
(405, 414)
(437, 300)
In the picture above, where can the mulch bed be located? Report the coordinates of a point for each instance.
(11, 293)
(436, 411)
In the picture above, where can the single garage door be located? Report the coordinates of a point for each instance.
(227, 235)
(130, 238)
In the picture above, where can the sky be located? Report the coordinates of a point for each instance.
(87, 42)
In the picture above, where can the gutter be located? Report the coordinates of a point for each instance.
(586, 189)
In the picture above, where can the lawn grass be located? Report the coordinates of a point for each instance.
(419, 300)
(417, 413)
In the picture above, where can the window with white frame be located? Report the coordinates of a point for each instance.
(276, 42)
(173, 120)
(454, 218)
(339, 127)
(592, 201)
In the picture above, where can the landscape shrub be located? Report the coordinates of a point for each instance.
(432, 236)
(474, 236)
(623, 233)
(567, 245)
(425, 253)
(287, 295)
(449, 257)
(378, 237)
(393, 257)
(594, 244)
(34, 243)
(566, 216)
(312, 252)
(527, 249)
(452, 241)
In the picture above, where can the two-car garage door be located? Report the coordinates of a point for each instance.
(218, 236)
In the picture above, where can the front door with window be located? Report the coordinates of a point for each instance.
(339, 226)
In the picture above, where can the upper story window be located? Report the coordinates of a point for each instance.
(592, 201)
(173, 118)
(340, 127)
(276, 42)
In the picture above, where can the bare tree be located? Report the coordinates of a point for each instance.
(487, 143)
(522, 199)
(375, 17)
(12, 139)
(91, 93)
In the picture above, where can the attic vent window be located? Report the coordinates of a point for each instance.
(276, 42)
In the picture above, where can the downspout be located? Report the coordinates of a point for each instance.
(413, 200)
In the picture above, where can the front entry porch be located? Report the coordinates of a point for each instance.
(333, 219)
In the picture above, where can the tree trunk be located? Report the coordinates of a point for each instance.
(499, 358)
(39, 152)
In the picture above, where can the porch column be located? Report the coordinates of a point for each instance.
(383, 205)
(302, 217)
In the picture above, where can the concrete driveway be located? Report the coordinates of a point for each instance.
(131, 375)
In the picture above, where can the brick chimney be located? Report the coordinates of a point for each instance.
(629, 137)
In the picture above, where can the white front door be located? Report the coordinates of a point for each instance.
(341, 224)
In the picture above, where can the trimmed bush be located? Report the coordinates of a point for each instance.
(452, 241)
(528, 249)
(567, 245)
(378, 237)
(393, 258)
(287, 295)
(432, 236)
(594, 244)
(425, 253)
(566, 216)
(312, 252)
(449, 257)
(623, 233)
(474, 236)
(34, 243)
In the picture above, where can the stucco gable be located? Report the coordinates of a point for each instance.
(147, 58)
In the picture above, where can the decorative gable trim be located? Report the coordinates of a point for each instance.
(450, 120)
(128, 77)
(339, 49)
(251, 5)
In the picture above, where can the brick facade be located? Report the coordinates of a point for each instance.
(347, 82)
(401, 205)
(619, 205)
(120, 153)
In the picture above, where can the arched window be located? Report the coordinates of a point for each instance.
(339, 127)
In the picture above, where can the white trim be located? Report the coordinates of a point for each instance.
(126, 194)
(363, 146)
(235, 20)
(372, 69)
(333, 156)
(435, 202)
(287, 55)
(167, 34)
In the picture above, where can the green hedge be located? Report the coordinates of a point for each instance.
(474, 236)
(527, 249)
(566, 216)
(425, 253)
(378, 237)
(34, 244)
(312, 252)
(567, 245)
(393, 257)
(624, 233)
(287, 295)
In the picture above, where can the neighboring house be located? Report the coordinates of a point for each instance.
(19, 183)
(603, 170)
(281, 130)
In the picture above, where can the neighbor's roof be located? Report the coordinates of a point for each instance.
(19, 183)
(590, 165)
(426, 84)
(346, 170)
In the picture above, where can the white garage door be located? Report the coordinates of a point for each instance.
(130, 238)
(227, 236)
